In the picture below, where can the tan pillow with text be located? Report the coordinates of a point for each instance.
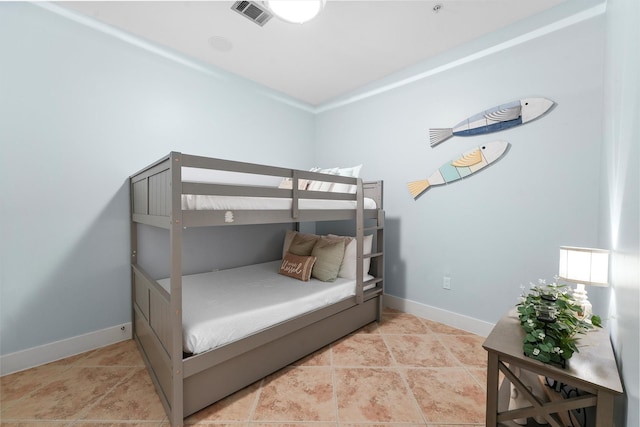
(296, 266)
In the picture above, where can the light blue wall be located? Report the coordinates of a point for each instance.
(502, 227)
(621, 193)
(571, 178)
(80, 111)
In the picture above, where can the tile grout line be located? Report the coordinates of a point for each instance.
(80, 415)
(403, 373)
(443, 344)
(254, 405)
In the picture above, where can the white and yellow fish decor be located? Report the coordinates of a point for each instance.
(495, 119)
(467, 164)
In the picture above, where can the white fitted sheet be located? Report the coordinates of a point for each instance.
(203, 202)
(223, 306)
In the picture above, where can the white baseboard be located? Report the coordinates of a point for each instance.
(36, 356)
(455, 320)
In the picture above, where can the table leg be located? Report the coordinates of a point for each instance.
(604, 409)
(492, 389)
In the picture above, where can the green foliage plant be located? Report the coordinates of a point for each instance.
(546, 340)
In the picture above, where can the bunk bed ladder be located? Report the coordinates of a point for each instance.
(377, 252)
(377, 256)
(359, 243)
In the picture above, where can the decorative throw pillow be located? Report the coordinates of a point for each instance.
(348, 267)
(353, 172)
(329, 254)
(302, 244)
(298, 267)
(288, 238)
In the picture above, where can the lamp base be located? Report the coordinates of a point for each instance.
(580, 296)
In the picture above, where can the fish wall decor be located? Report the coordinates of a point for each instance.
(467, 164)
(495, 119)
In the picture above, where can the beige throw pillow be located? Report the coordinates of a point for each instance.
(302, 244)
(329, 254)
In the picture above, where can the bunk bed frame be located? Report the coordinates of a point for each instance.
(187, 383)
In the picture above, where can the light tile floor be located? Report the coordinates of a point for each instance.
(405, 371)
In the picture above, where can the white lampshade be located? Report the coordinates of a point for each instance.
(296, 11)
(584, 265)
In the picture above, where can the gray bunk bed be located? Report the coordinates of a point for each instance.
(186, 382)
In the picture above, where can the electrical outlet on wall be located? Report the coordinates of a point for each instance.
(446, 283)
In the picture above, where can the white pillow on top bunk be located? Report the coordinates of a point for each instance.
(287, 184)
(353, 172)
(322, 185)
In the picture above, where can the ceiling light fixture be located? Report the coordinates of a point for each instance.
(296, 11)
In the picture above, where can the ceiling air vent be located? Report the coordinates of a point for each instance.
(253, 11)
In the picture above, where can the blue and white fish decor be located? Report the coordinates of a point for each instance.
(495, 119)
(468, 163)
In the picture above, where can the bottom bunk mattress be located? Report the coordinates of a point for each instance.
(223, 306)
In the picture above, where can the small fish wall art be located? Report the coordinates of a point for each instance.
(467, 164)
(495, 119)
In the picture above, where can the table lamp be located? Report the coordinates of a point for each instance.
(584, 266)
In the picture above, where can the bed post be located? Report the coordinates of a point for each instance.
(176, 399)
(359, 242)
(133, 229)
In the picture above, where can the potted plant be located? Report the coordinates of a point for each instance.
(550, 319)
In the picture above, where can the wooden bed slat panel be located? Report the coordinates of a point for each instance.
(153, 220)
(160, 193)
(140, 197)
(154, 168)
(155, 356)
(141, 295)
(152, 303)
(159, 318)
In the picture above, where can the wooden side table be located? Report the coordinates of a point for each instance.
(593, 371)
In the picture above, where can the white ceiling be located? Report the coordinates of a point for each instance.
(350, 44)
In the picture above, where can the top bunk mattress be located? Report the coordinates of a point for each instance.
(223, 306)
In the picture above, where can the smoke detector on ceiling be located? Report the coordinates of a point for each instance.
(253, 11)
